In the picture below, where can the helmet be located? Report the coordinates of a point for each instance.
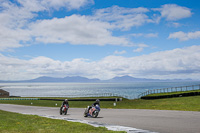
(97, 100)
(66, 100)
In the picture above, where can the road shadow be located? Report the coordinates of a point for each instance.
(93, 117)
(99, 117)
(96, 117)
(64, 115)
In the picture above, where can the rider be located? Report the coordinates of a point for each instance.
(94, 104)
(65, 102)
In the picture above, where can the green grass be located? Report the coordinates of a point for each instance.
(181, 103)
(18, 123)
(191, 103)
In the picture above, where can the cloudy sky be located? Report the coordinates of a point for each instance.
(99, 39)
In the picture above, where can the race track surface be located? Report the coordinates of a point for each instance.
(162, 121)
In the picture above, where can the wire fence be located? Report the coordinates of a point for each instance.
(96, 95)
(172, 89)
(66, 96)
(19, 98)
(72, 96)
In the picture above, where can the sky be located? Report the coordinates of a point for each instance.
(156, 39)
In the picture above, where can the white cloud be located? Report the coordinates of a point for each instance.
(184, 36)
(173, 12)
(18, 29)
(138, 49)
(169, 64)
(176, 63)
(69, 4)
(75, 29)
(19, 13)
(120, 52)
(12, 38)
(123, 18)
(40, 5)
(149, 35)
(176, 25)
(15, 18)
(19, 26)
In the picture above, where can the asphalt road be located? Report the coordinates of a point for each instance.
(162, 121)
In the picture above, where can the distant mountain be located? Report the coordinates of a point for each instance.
(130, 79)
(83, 79)
(45, 79)
(65, 79)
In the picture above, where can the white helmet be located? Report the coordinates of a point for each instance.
(97, 100)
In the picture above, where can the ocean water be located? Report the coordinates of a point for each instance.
(128, 90)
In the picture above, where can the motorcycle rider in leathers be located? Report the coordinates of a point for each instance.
(65, 102)
(97, 102)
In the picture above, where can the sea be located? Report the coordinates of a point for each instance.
(129, 90)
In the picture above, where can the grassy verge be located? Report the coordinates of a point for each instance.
(18, 123)
(180, 103)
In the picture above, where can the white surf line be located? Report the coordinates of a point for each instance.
(97, 124)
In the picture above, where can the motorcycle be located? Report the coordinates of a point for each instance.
(63, 110)
(92, 111)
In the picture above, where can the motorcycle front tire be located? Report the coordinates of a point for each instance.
(65, 112)
(85, 113)
(95, 114)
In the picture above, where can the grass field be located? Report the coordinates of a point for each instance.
(191, 103)
(18, 123)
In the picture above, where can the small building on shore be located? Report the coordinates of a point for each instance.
(4, 93)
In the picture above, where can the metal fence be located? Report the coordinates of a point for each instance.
(172, 89)
(19, 98)
(95, 95)
(72, 96)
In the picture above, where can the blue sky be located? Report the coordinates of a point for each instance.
(99, 39)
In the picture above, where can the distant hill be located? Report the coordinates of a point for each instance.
(65, 79)
(130, 79)
(83, 79)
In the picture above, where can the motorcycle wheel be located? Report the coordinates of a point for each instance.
(85, 113)
(60, 112)
(95, 114)
(66, 112)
